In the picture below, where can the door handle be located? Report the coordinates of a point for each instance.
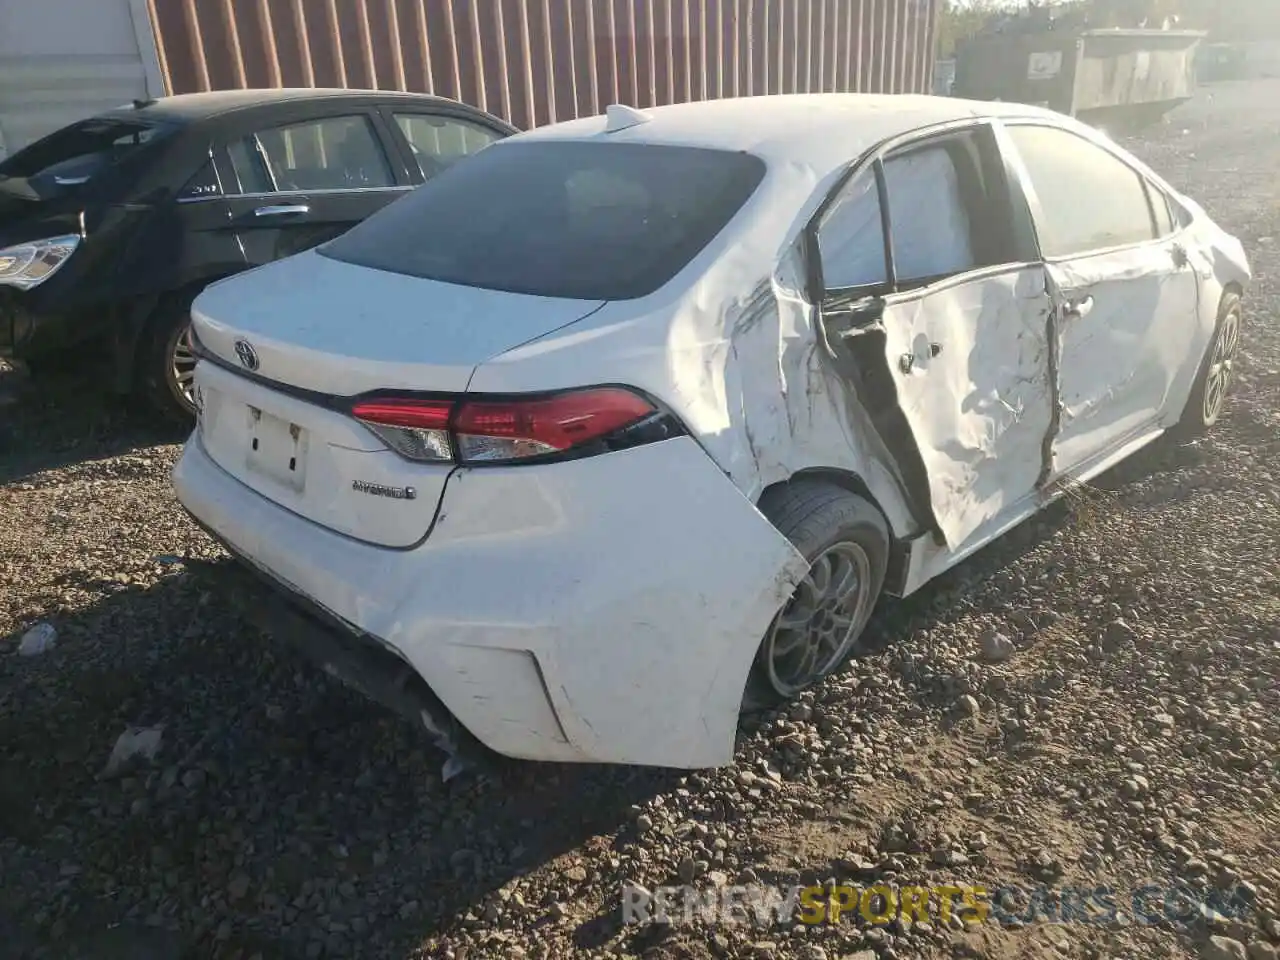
(282, 210)
(1075, 309)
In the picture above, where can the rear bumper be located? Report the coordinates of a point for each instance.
(359, 661)
(606, 609)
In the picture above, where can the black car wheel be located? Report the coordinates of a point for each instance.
(167, 362)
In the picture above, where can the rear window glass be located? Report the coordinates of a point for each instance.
(75, 154)
(590, 221)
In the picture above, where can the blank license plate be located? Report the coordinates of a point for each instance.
(277, 449)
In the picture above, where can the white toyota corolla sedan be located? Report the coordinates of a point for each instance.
(629, 420)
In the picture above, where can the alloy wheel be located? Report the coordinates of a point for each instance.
(181, 370)
(1222, 361)
(815, 630)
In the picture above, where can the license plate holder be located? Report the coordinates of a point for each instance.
(277, 449)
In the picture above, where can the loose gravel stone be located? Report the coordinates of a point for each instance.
(1224, 948)
(996, 647)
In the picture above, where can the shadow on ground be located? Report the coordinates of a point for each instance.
(69, 418)
(269, 770)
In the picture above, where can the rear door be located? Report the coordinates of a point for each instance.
(204, 230)
(294, 185)
(1124, 292)
(935, 300)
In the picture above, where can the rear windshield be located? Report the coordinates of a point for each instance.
(590, 221)
(75, 154)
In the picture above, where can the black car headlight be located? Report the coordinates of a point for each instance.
(30, 264)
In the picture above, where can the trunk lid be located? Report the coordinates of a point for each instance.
(334, 327)
(316, 330)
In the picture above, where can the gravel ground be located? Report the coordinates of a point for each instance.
(1127, 733)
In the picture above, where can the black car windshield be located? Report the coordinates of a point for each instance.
(571, 219)
(74, 155)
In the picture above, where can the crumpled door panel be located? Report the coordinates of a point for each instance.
(970, 363)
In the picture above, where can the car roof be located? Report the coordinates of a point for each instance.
(194, 107)
(822, 131)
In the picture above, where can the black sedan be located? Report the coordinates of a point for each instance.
(110, 227)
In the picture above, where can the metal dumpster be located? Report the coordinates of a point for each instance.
(1109, 77)
(1221, 61)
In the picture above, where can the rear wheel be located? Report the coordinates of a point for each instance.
(1209, 394)
(166, 360)
(846, 542)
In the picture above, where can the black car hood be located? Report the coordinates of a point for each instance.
(28, 212)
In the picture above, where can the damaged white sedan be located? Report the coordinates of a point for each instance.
(628, 419)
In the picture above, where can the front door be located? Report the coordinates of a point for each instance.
(944, 327)
(1123, 290)
(304, 183)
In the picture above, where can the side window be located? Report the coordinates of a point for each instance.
(337, 153)
(946, 216)
(248, 166)
(851, 237)
(1089, 198)
(204, 184)
(439, 142)
(1161, 210)
(932, 235)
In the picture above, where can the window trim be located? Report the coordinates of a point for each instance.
(1032, 198)
(874, 159)
(328, 192)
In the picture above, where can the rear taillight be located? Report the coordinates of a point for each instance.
(416, 429)
(507, 429)
(511, 429)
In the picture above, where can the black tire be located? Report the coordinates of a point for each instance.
(1208, 399)
(154, 378)
(826, 522)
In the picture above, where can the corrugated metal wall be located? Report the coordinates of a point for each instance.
(539, 61)
(51, 75)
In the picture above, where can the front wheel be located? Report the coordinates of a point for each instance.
(846, 541)
(167, 360)
(1217, 371)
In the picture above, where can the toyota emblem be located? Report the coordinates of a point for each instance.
(248, 356)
